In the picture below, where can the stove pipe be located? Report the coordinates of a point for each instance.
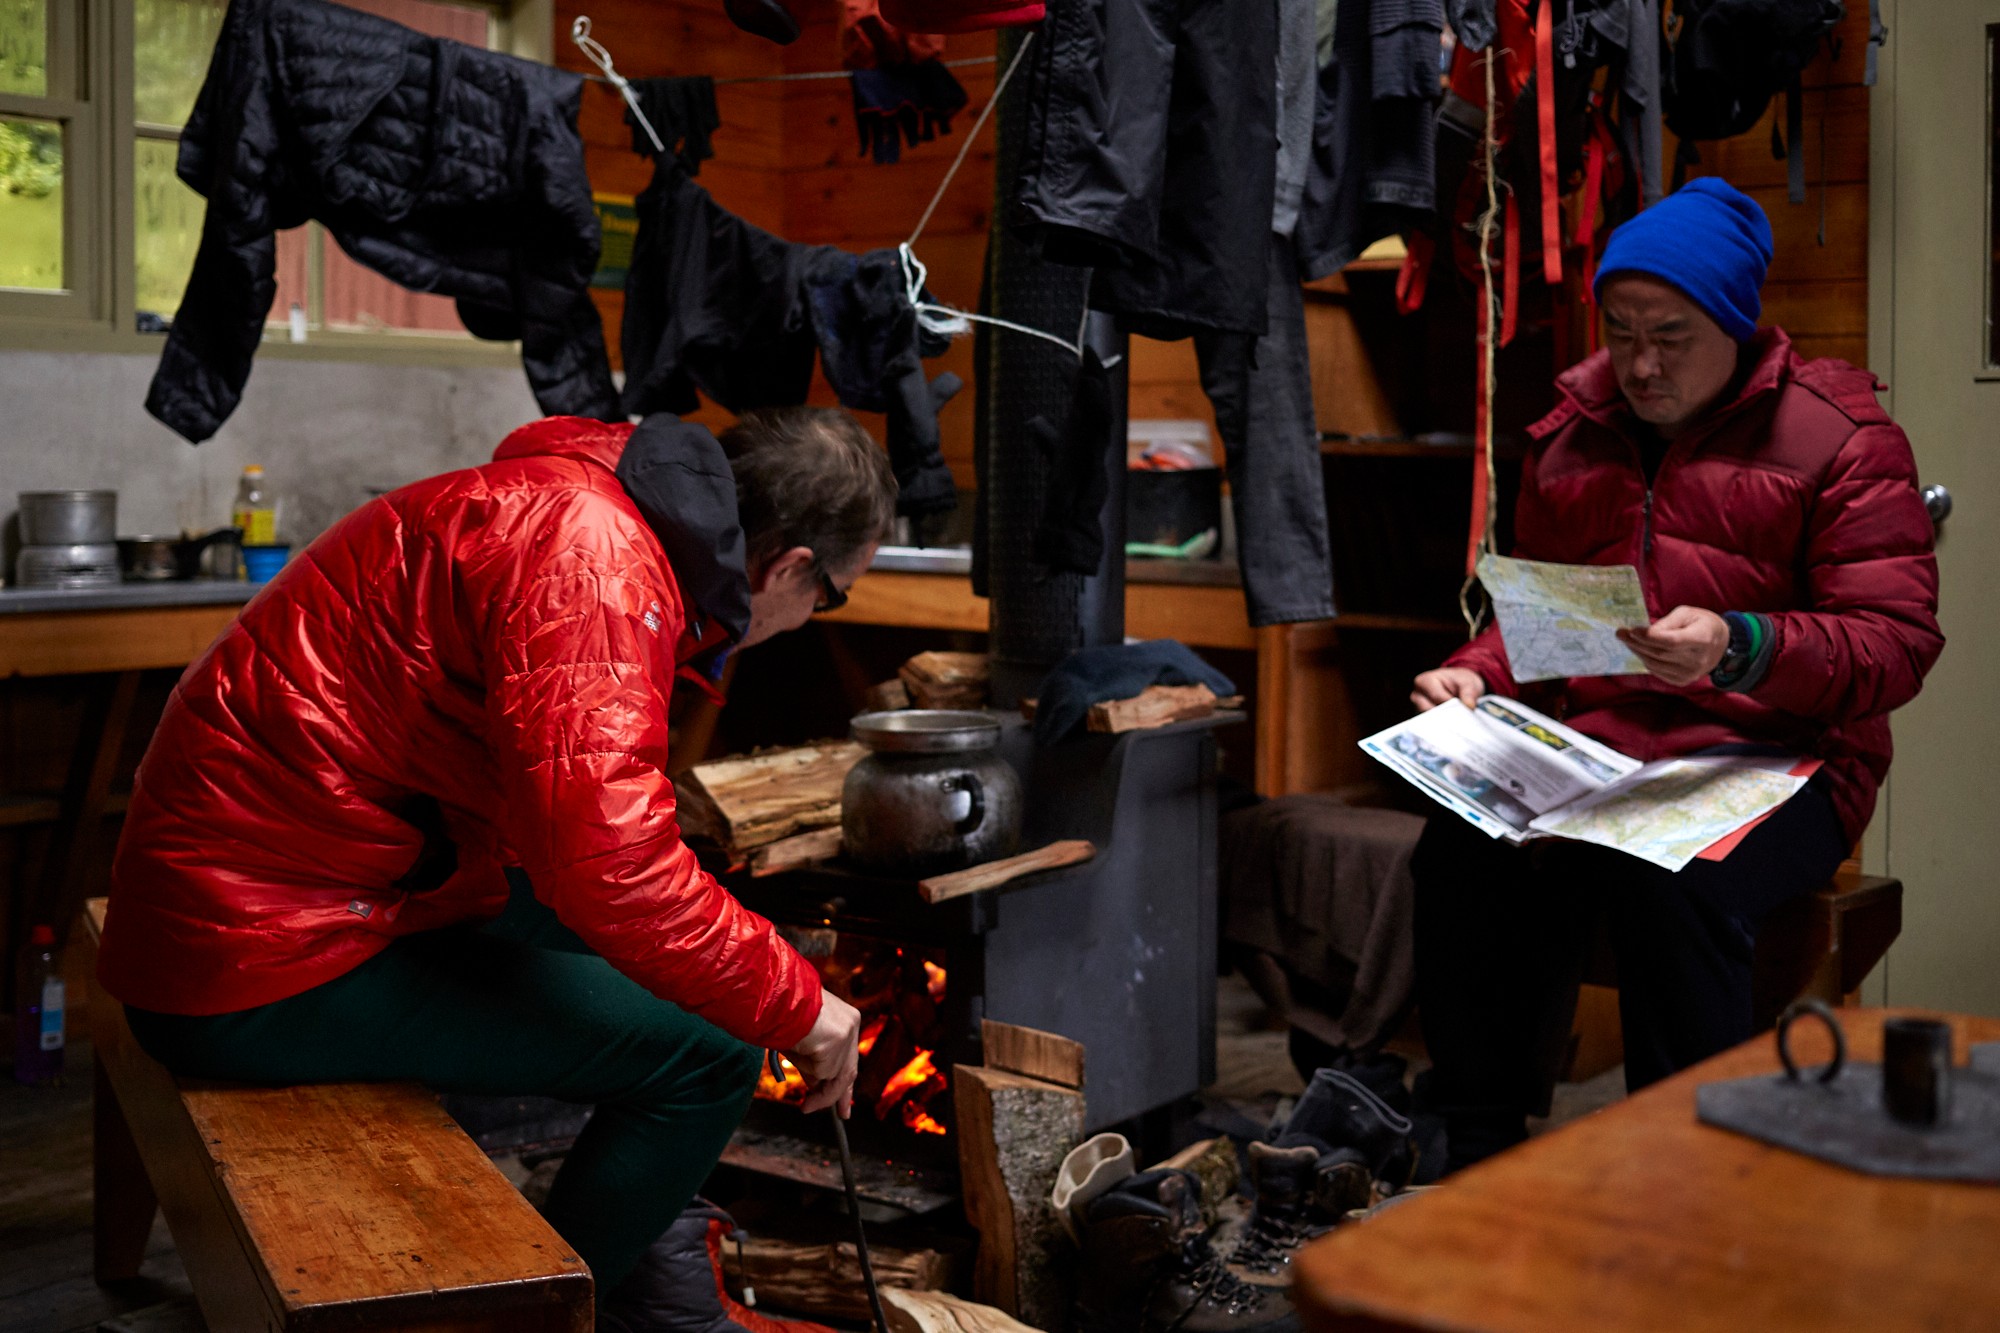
(1037, 615)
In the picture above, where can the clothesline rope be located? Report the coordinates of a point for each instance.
(949, 321)
(967, 63)
(593, 50)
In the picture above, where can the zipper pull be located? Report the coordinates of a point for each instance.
(1646, 530)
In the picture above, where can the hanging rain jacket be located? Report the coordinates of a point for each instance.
(1796, 498)
(443, 167)
(467, 674)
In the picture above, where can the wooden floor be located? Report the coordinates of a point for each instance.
(45, 1282)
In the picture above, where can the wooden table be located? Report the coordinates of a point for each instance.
(1639, 1217)
(110, 636)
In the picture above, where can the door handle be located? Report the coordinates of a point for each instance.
(1937, 502)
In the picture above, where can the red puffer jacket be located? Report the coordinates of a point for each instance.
(1797, 499)
(495, 646)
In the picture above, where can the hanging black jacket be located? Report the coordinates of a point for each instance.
(443, 167)
(715, 303)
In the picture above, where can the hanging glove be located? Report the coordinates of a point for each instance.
(924, 483)
(898, 103)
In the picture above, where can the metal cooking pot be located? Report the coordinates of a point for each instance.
(147, 559)
(68, 518)
(932, 796)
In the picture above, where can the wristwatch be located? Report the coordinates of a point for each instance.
(1737, 656)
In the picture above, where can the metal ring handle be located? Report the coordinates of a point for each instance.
(1819, 1010)
(975, 801)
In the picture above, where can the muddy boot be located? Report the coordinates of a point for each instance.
(1303, 1190)
(1148, 1267)
(678, 1286)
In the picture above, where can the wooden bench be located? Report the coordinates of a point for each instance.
(1822, 945)
(339, 1205)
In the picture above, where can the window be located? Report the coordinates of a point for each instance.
(96, 230)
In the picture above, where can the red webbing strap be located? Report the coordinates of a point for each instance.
(1482, 441)
(1510, 273)
(1595, 155)
(1545, 135)
(1414, 276)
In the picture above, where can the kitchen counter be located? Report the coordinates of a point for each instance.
(958, 560)
(128, 596)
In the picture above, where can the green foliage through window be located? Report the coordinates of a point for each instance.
(24, 40)
(31, 204)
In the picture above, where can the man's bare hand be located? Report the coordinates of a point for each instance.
(830, 1056)
(1447, 683)
(1682, 646)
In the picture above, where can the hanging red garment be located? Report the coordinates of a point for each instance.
(961, 15)
(869, 41)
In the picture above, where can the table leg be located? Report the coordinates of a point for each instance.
(80, 820)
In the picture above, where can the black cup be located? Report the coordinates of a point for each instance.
(1916, 1070)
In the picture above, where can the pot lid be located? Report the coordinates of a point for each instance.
(927, 730)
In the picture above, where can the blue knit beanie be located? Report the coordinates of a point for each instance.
(1707, 238)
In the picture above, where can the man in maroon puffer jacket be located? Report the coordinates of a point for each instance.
(409, 816)
(1771, 508)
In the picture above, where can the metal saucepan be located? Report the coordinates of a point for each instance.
(68, 518)
(149, 559)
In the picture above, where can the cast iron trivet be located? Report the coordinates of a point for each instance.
(1837, 1114)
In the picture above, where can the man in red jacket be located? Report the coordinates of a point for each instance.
(1771, 508)
(409, 817)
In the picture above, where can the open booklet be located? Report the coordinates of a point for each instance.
(1517, 775)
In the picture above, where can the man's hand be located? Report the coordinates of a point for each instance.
(830, 1056)
(1447, 683)
(1682, 646)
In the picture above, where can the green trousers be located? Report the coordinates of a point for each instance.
(517, 1007)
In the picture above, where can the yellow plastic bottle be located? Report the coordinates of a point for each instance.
(255, 511)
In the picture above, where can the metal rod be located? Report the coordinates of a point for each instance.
(860, 1232)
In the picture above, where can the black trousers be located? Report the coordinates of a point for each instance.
(1501, 935)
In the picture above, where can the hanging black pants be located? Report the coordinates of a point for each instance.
(1501, 933)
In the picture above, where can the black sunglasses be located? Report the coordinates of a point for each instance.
(831, 597)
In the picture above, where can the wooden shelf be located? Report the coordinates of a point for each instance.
(1372, 620)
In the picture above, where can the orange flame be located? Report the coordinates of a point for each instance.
(920, 1120)
(872, 1034)
(934, 981)
(792, 1088)
(909, 1078)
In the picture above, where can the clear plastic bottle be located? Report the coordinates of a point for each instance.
(39, 1010)
(255, 511)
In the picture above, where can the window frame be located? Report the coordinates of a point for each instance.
(92, 70)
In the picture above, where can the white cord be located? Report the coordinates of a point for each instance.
(949, 321)
(593, 50)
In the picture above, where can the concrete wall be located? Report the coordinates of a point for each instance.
(325, 432)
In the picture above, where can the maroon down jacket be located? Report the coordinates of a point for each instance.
(496, 644)
(1797, 499)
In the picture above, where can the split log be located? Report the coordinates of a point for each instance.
(824, 1280)
(946, 680)
(936, 1312)
(796, 852)
(748, 801)
(993, 874)
(1042, 1055)
(1013, 1133)
(891, 696)
(1155, 706)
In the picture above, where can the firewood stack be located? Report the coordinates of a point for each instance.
(946, 680)
(773, 810)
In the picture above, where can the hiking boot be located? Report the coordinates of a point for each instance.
(1340, 1111)
(1304, 1189)
(1148, 1267)
(678, 1286)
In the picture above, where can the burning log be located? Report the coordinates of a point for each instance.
(946, 680)
(749, 801)
(936, 1312)
(824, 1280)
(1013, 1132)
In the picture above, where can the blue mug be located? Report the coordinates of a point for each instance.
(262, 563)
